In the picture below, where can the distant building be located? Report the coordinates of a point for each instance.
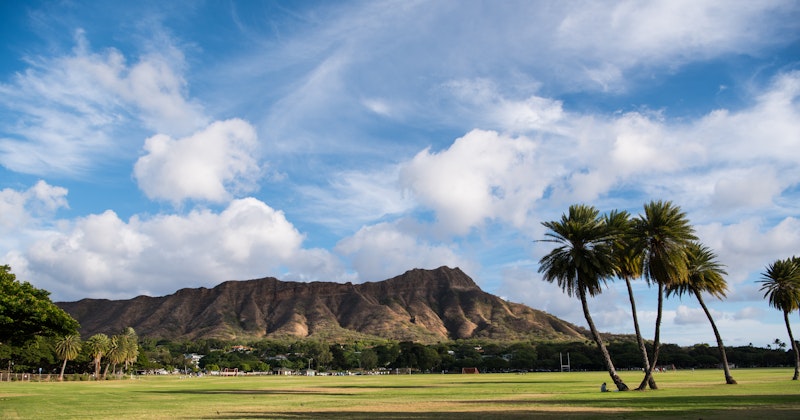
(283, 371)
(194, 358)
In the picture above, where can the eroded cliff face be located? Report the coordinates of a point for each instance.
(419, 305)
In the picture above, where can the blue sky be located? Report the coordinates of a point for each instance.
(148, 148)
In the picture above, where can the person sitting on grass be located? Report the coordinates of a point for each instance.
(603, 388)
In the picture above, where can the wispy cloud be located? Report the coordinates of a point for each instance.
(71, 111)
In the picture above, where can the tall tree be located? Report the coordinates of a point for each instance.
(781, 287)
(581, 263)
(27, 312)
(705, 275)
(115, 354)
(628, 266)
(660, 237)
(130, 347)
(97, 345)
(68, 348)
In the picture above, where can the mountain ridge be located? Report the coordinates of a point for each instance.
(419, 305)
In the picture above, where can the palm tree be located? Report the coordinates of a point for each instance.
(660, 237)
(98, 345)
(705, 275)
(130, 347)
(628, 266)
(581, 264)
(781, 284)
(68, 348)
(115, 354)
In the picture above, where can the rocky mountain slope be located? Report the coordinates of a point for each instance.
(419, 305)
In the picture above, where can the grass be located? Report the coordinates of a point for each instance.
(761, 393)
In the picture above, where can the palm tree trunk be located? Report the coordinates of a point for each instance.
(639, 339)
(794, 347)
(728, 377)
(599, 340)
(63, 366)
(656, 341)
(105, 373)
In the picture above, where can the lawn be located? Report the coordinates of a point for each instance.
(761, 393)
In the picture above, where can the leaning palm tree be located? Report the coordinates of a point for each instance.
(705, 275)
(659, 237)
(781, 284)
(628, 266)
(97, 345)
(581, 264)
(68, 348)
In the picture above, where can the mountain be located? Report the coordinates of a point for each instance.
(420, 305)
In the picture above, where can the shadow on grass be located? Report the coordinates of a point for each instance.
(377, 387)
(773, 407)
(251, 392)
(771, 414)
(369, 415)
(645, 401)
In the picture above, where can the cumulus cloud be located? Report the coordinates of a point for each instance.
(21, 208)
(685, 315)
(756, 187)
(64, 112)
(101, 255)
(749, 313)
(213, 164)
(748, 246)
(483, 175)
(385, 250)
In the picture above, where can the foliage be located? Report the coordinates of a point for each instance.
(581, 262)
(27, 312)
(781, 284)
(97, 346)
(68, 348)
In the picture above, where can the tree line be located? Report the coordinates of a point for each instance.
(267, 354)
(660, 247)
(487, 356)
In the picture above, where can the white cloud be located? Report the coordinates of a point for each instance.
(483, 175)
(101, 255)
(385, 250)
(685, 315)
(749, 313)
(753, 188)
(213, 164)
(66, 112)
(610, 40)
(354, 198)
(378, 106)
(748, 246)
(21, 208)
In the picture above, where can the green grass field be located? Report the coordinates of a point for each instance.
(761, 393)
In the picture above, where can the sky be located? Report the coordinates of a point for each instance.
(151, 146)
